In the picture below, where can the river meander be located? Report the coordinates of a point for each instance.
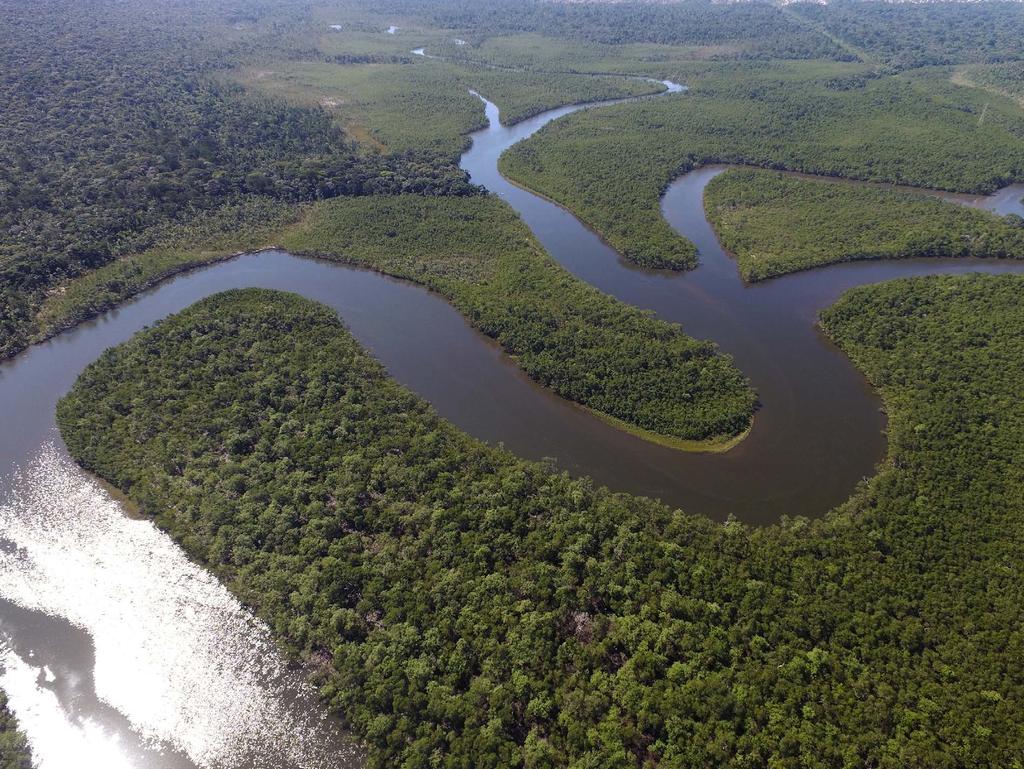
(116, 650)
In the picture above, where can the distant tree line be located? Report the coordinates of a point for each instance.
(764, 30)
(113, 126)
(908, 35)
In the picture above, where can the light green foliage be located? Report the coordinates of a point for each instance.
(1006, 79)
(611, 165)
(775, 223)
(583, 344)
(424, 103)
(481, 611)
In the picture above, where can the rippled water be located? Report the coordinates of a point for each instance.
(195, 677)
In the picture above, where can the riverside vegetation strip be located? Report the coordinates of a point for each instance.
(468, 608)
(136, 134)
(144, 129)
(584, 345)
(645, 374)
(774, 224)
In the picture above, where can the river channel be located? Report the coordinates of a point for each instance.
(117, 651)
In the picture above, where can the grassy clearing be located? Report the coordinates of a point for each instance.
(1005, 79)
(426, 104)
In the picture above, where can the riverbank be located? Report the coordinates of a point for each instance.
(775, 223)
(435, 591)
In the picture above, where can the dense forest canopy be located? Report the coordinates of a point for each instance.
(470, 609)
(113, 125)
(906, 35)
(772, 32)
(775, 223)
(121, 118)
(579, 342)
(462, 607)
(610, 166)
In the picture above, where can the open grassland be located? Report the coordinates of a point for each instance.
(775, 223)
(538, 52)
(610, 166)
(426, 104)
(584, 345)
(465, 607)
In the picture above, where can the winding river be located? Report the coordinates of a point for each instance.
(117, 651)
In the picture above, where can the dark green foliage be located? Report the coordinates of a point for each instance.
(251, 223)
(469, 609)
(112, 126)
(611, 165)
(907, 35)
(14, 751)
(775, 223)
(755, 30)
(583, 344)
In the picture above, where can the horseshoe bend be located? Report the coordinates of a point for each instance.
(725, 470)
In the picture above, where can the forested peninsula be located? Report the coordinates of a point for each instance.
(581, 343)
(469, 608)
(611, 166)
(775, 223)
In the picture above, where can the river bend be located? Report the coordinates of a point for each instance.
(117, 651)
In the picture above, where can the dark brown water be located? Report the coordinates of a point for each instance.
(117, 651)
(819, 429)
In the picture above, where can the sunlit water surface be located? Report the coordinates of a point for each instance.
(180, 674)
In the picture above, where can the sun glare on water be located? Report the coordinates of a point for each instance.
(175, 653)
